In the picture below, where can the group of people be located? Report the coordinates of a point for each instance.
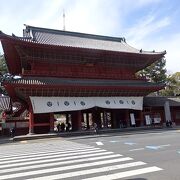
(62, 127)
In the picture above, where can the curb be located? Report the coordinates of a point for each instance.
(92, 133)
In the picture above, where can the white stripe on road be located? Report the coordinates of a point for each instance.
(90, 171)
(106, 156)
(99, 143)
(139, 149)
(126, 173)
(58, 169)
(48, 153)
(53, 156)
(57, 159)
(21, 153)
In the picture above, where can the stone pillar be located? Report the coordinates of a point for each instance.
(167, 111)
(51, 122)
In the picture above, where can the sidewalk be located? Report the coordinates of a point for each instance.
(123, 131)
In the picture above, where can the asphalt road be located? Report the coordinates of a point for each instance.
(161, 149)
(147, 156)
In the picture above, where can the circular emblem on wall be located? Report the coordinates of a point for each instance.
(49, 103)
(133, 102)
(66, 103)
(121, 101)
(82, 103)
(108, 102)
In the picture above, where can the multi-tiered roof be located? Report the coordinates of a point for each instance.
(61, 63)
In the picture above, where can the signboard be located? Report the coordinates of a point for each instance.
(133, 122)
(157, 120)
(59, 104)
(148, 119)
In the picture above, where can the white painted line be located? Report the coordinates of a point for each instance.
(126, 173)
(50, 153)
(23, 141)
(165, 145)
(63, 168)
(91, 171)
(58, 163)
(99, 143)
(22, 153)
(67, 155)
(138, 149)
(129, 143)
(62, 159)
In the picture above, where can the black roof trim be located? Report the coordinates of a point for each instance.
(77, 34)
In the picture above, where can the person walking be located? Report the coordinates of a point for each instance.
(95, 128)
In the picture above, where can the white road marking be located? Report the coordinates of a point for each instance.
(165, 145)
(91, 171)
(67, 155)
(138, 149)
(58, 163)
(99, 143)
(3, 155)
(130, 143)
(49, 153)
(126, 173)
(58, 169)
(52, 160)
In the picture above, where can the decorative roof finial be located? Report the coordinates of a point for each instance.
(64, 21)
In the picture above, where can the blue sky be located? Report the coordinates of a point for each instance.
(146, 24)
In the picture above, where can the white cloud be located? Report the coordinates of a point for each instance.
(146, 27)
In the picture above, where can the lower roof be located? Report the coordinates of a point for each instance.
(82, 82)
(157, 101)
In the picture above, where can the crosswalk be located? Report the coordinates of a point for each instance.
(62, 159)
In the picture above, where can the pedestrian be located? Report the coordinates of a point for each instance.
(12, 132)
(62, 126)
(58, 127)
(95, 128)
(68, 126)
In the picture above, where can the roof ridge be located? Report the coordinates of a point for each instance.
(77, 34)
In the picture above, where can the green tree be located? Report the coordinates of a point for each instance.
(172, 85)
(156, 72)
(3, 66)
(3, 73)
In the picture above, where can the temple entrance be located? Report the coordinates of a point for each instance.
(106, 121)
(87, 121)
(63, 122)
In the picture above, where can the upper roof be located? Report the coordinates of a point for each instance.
(39, 43)
(78, 40)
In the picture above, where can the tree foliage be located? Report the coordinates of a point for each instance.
(172, 85)
(3, 74)
(3, 66)
(156, 72)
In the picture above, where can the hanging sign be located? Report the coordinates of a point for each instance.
(59, 104)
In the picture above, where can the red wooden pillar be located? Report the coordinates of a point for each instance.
(31, 121)
(127, 118)
(141, 118)
(79, 119)
(76, 120)
(51, 122)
